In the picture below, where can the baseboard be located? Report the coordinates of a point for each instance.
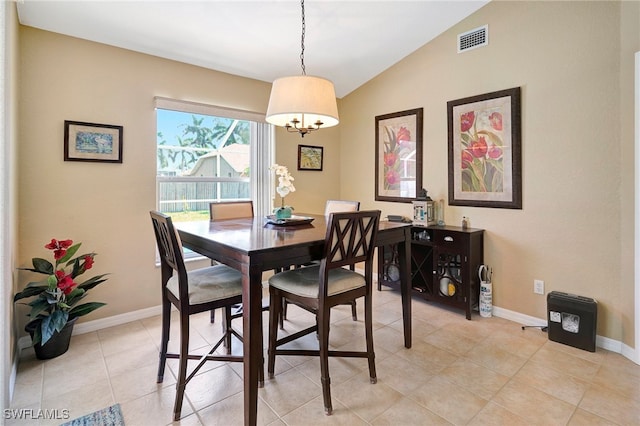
(601, 341)
(99, 324)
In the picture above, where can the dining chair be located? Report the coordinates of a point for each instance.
(220, 210)
(349, 239)
(332, 206)
(191, 292)
(230, 210)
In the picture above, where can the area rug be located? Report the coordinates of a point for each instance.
(110, 416)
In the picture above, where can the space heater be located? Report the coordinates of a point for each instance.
(572, 320)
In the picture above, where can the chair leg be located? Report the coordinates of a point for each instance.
(368, 327)
(212, 319)
(182, 367)
(164, 340)
(226, 328)
(275, 312)
(284, 308)
(323, 332)
(354, 313)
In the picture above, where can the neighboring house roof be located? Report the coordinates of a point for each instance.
(236, 155)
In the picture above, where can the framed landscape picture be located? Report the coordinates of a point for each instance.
(398, 162)
(92, 142)
(485, 150)
(310, 157)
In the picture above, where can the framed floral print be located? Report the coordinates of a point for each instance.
(398, 162)
(485, 150)
(92, 142)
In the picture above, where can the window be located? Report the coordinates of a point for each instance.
(207, 154)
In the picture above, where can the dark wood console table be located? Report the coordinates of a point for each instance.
(444, 265)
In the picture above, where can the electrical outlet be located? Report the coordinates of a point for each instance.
(538, 286)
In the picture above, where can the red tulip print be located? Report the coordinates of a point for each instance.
(482, 150)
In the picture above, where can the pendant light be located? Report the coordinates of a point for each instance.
(302, 103)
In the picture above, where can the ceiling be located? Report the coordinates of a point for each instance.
(349, 42)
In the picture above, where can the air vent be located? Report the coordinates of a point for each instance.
(474, 38)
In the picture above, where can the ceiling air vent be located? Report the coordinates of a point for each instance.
(474, 38)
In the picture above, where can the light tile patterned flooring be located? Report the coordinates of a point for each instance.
(486, 371)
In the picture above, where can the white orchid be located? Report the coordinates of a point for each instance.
(285, 181)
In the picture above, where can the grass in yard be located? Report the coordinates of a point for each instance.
(189, 216)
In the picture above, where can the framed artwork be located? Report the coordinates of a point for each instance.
(309, 157)
(398, 163)
(92, 142)
(485, 150)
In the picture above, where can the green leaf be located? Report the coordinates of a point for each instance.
(52, 323)
(59, 320)
(46, 329)
(42, 266)
(92, 282)
(30, 290)
(52, 282)
(38, 306)
(75, 296)
(37, 335)
(465, 139)
(84, 309)
(69, 254)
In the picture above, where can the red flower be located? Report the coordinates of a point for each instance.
(403, 135)
(467, 159)
(392, 177)
(88, 262)
(65, 282)
(479, 147)
(390, 159)
(496, 120)
(494, 152)
(59, 247)
(466, 121)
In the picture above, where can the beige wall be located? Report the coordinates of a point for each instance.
(575, 229)
(105, 206)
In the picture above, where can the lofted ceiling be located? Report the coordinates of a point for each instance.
(348, 41)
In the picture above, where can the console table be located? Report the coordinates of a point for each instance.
(444, 265)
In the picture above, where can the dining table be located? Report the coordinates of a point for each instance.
(253, 246)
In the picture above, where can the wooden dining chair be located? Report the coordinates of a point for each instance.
(349, 239)
(191, 292)
(332, 206)
(220, 210)
(230, 210)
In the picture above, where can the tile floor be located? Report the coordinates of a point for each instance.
(486, 371)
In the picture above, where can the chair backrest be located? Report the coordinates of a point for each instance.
(230, 210)
(350, 239)
(170, 249)
(335, 206)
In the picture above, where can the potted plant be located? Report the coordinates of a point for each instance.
(55, 308)
(285, 186)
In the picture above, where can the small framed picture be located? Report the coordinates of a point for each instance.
(92, 142)
(310, 157)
